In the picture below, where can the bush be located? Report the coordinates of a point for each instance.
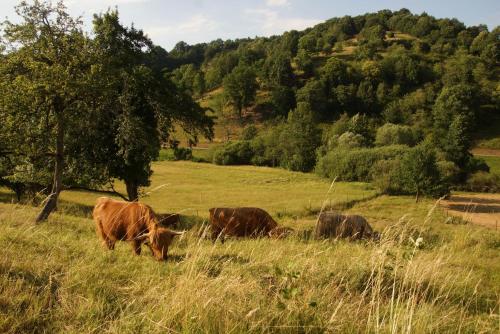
(394, 134)
(233, 153)
(182, 153)
(483, 182)
(415, 173)
(385, 176)
(299, 140)
(266, 147)
(356, 165)
(350, 140)
(249, 132)
(419, 173)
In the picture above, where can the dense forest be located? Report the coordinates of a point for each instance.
(389, 97)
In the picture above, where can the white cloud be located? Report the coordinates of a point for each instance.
(195, 24)
(277, 3)
(272, 23)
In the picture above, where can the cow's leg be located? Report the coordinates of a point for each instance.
(109, 243)
(136, 245)
(216, 233)
(106, 241)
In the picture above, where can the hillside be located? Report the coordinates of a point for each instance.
(389, 65)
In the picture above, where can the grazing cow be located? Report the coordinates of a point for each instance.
(354, 227)
(134, 222)
(242, 222)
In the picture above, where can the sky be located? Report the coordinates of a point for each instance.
(169, 21)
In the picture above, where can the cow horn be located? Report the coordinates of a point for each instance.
(143, 236)
(177, 233)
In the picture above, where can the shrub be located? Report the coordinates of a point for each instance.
(299, 140)
(419, 173)
(182, 153)
(394, 134)
(350, 140)
(356, 165)
(266, 147)
(233, 153)
(416, 173)
(385, 176)
(249, 132)
(483, 182)
(449, 171)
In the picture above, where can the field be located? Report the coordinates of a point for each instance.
(56, 276)
(493, 162)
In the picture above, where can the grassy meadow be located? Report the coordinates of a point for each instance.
(493, 162)
(56, 277)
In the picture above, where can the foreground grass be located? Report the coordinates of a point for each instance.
(56, 277)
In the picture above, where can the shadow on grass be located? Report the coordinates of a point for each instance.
(7, 197)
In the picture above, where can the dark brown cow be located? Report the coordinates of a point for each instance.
(134, 222)
(335, 225)
(242, 222)
(169, 219)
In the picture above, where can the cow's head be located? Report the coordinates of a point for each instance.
(159, 239)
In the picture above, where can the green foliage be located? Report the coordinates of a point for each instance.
(249, 132)
(299, 140)
(109, 87)
(314, 94)
(355, 164)
(283, 100)
(267, 147)
(278, 69)
(419, 173)
(483, 182)
(234, 153)
(304, 62)
(240, 86)
(453, 122)
(393, 134)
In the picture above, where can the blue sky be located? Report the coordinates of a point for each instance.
(169, 21)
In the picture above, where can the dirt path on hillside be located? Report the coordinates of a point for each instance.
(480, 209)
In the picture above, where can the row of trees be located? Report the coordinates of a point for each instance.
(80, 112)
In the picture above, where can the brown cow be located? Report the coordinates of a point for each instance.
(134, 222)
(242, 222)
(354, 227)
(169, 219)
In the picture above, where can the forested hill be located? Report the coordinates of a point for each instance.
(390, 97)
(387, 64)
(369, 82)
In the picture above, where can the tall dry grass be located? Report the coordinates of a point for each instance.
(56, 277)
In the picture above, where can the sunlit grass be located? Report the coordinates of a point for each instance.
(56, 277)
(193, 188)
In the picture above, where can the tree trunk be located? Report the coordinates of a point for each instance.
(57, 185)
(132, 190)
(416, 197)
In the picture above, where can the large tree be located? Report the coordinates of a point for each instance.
(140, 104)
(240, 86)
(43, 77)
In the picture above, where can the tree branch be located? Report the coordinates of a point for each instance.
(100, 191)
